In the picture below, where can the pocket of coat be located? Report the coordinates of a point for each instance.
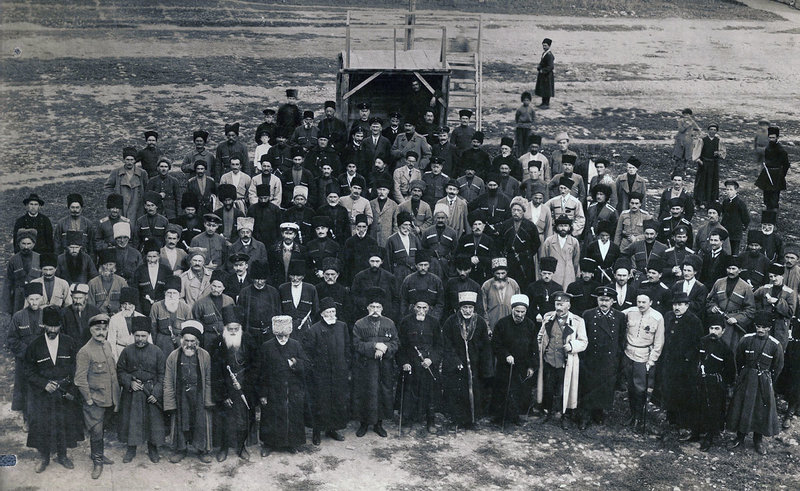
(99, 367)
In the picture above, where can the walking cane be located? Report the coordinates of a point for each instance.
(508, 394)
(402, 398)
(644, 401)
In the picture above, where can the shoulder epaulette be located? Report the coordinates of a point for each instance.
(670, 249)
(104, 220)
(774, 340)
(625, 211)
(610, 207)
(749, 335)
(787, 289)
(690, 251)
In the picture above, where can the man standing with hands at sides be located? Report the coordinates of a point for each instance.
(96, 377)
(375, 342)
(759, 357)
(49, 365)
(605, 328)
(774, 168)
(141, 374)
(561, 337)
(545, 80)
(644, 340)
(419, 356)
(514, 346)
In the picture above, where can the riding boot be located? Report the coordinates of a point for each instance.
(96, 447)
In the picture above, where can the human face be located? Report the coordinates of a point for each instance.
(79, 299)
(500, 274)
(74, 250)
(129, 162)
(452, 191)
(190, 211)
(467, 311)
(333, 199)
(714, 241)
(150, 208)
(688, 272)
(713, 215)
(382, 193)
(563, 190)
(505, 170)
(375, 309)
(773, 138)
(140, 339)
(297, 161)
(355, 191)
(330, 276)
(296, 279)
(680, 308)
(52, 331)
(321, 232)
(789, 260)
(587, 275)
(604, 302)
(676, 211)
(649, 235)
(731, 191)
(776, 279)
(518, 313)
(533, 148)
(631, 169)
(35, 301)
(199, 144)
(547, 276)
(330, 112)
(534, 172)
(767, 228)
(415, 85)
(48, 272)
(259, 283)
(322, 141)
(266, 168)
(108, 269)
(361, 229)
(754, 247)
(240, 267)
(236, 165)
(364, 114)
(358, 137)
(231, 136)
(643, 303)
(288, 235)
(404, 227)
(562, 306)
(217, 287)
(477, 227)
(621, 275)
(600, 197)
(463, 273)
(562, 229)
(604, 237)
(99, 331)
(375, 262)
(423, 267)
(189, 344)
(537, 199)
(568, 167)
(245, 233)
(681, 238)
(327, 170)
(375, 128)
(380, 165)
(122, 242)
(211, 227)
(282, 338)
(198, 263)
(75, 210)
(600, 168)
(421, 309)
(408, 128)
(476, 143)
(733, 271)
(33, 207)
(411, 161)
(545, 46)
(464, 120)
(443, 137)
(416, 194)
(634, 205)
(300, 200)
(436, 169)
(677, 182)
(716, 331)
(762, 331)
(329, 315)
(563, 145)
(200, 170)
(152, 257)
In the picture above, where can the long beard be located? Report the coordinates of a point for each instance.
(171, 304)
(232, 340)
(188, 350)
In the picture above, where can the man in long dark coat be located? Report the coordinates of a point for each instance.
(519, 242)
(545, 80)
(53, 399)
(25, 326)
(281, 388)
(140, 370)
(514, 346)
(675, 370)
(605, 331)
(466, 362)
(260, 303)
(759, 357)
(714, 373)
(419, 357)
(233, 375)
(187, 394)
(34, 219)
(775, 166)
(375, 277)
(329, 352)
(331, 287)
(22, 268)
(582, 289)
(375, 343)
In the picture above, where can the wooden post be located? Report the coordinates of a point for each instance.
(394, 46)
(444, 48)
(411, 19)
(347, 43)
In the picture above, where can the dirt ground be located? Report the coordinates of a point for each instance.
(79, 82)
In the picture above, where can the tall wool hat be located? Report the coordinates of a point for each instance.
(139, 324)
(282, 325)
(259, 270)
(115, 200)
(548, 263)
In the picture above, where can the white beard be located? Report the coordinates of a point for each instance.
(233, 341)
(329, 319)
(171, 304)
(283, 342)
(188, 351)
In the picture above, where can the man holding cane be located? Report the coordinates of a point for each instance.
(643, 343)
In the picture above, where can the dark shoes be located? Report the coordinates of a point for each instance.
(335, 435)
(222, 455)
(563, 422)
(97, 470)
(544, 418)
(787, 422)
(739, 442)
(378, 428)
(316, 437)
(362, 430)
(177, 456)
(265, 450)
(760, 448)
(706, 445)
(65, 462)
(129, 454)
(205, 458)
(152, 452)
(107, 461)
(43, 463)
(690, 437)
(244, 454)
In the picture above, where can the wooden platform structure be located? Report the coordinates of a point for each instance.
(383, 76)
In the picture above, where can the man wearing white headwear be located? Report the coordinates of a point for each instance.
(301, 214)
(562, 139)
(128, 258)
(254, 249)
(497, 292)
(281, 389)
(514, 346)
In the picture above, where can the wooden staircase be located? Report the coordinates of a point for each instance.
(465, 86)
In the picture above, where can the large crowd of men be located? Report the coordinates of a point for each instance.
(348, 272)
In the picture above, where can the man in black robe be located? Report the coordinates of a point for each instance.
(233, 375)
(582, 289)
(514, 346)
(375, 343)
(260, 302)
(140, 369)
(329, 352)
(49, 366)
(25, 326)
(281, 388)
(605, 329)
(419, 356)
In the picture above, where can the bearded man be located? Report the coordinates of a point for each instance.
(196, 281)
(208, 310)
(140, 369)
(120, 326)
(168, 315)
(74, 265)
(22, 268)
(261, 302)
(25, 326)
(75, 318)
(233, 376)
(187, 394)
(149, 278)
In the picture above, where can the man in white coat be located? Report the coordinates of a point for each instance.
(561, 337)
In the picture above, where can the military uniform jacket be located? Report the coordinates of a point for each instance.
(688, 204)
(783, 310)
(774, 168)
(573, 209)
(443, 245)
(624, 190)
(674, 256)
(206, 311)
(520, 246)
(154, 228)
(422, 219)
(435, 187)
(596, 214)
(206, 197)
(308, 306)
(605, 334)
(416, 287)
(44, 232)
(605, 263)
(540, 294)
(496, 212)
(740, 305)
(60, 297)
(735, 217)
(81, 274)
(96, 374)
(106, 300)
(468, 189)
(85, 226)
(630, 228)
(319, 249)
(667, 228)
(190, 227)
(644, 337)
(639, 256)
(457, 217)
(712, 269)
(754, 268)
(16, 279)
(401, 261)
(481, 246)
(582, 295)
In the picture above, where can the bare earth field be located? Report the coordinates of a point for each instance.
(80, 81)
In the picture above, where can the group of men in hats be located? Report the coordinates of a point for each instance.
(359, 279)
